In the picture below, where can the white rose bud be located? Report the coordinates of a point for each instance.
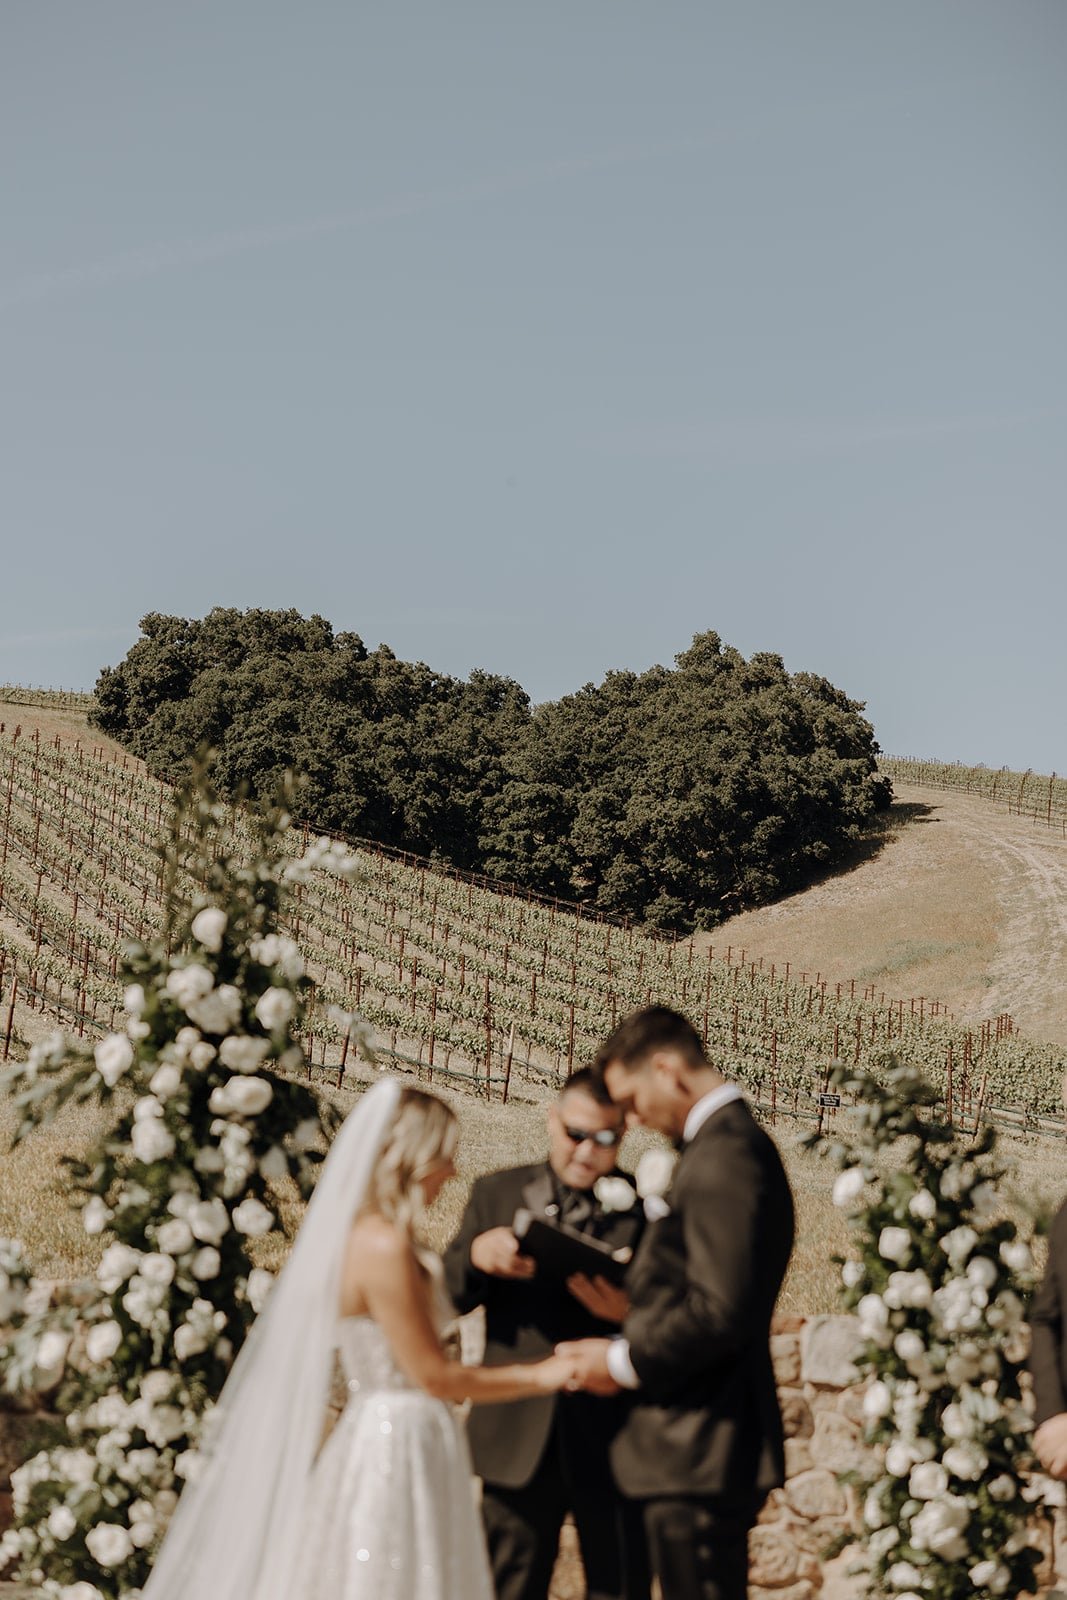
(848, 1186)
(113, 1057)
(243, 1054)
(877, 1402)
(982, 1271)
(274, 1009)
(52, 1352)
(249, 1096)
(133, 999)
(109, 1544)
(894, 1244)
(655, 1173)
(923, 1206)
(614, 1194)
(175, 1237)
(1015, 1254)
(96, 1215)
(252, 1218)
(101, 1342)
(166, 1080)
(275, 1164)
(307, 1133)
(151, 1141)
(206, 1263)
(61, 1522)
(209, 1221)
(208, 927)
(260, 1284)
(928, 1481)
(852, 1274)
(909, 1345)
(1002, 1487)
(202, 1055)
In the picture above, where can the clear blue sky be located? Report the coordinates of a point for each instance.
(539, 337)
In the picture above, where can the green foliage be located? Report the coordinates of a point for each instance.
(939, 1285)
(677, 797)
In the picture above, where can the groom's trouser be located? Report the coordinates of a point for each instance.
(522, 1526)
(698, 1548)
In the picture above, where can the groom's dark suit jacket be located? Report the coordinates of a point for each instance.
(705, 1420)
(524, 1320)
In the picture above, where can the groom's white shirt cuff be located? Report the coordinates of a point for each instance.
(620, 1366)
(618, 1357)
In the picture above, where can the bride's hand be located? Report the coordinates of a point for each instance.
(554, 1373)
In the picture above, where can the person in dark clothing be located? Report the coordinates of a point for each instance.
(539, 1460)
(701, 1445)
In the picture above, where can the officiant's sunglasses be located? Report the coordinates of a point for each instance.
(605, 1138)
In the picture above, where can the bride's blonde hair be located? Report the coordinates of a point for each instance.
(424, 1133)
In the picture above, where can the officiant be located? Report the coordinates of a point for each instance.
(542, 1458)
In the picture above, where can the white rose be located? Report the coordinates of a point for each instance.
(955, 1424)
(306, 1134)
(252, 1218)
(277, 951)
(209, 1221)
(141, 1301)
(274, 1165)
(873, 1314)
(912, 1289)
(152, 1140)
(113, 1057)
(118, 1262)
(614, 1194)
(852, 1274)
(274, 1008)
(958, 1244)
(52, 1352)
(189, 983)
(260, 1284)
(164, 1424)
(156, 1385)
(101, 1342)
(873, 1515)
(249, 1096)
(909, 1345)
(922, 1205)
(902, 1575)
(208, 927)
(217, 1012)
(899, 1459)
(243, 1054)
(175, 1237)
(188, 1342)
(206, 1263)
(962, 1367)
(202, 1055)
(879, 1544)
(982, 1271)
(61, 1522)
(878, 1401)
(109, 1544)
(166, 1080)
(133, 999)
(848, 1186)
(96, 1215)
(1015, 1254)
(894, 1244)
(189, 1465)
(966, 1461)
(80, 1591)
(142, 1533)
(1002, 1487)
(655, 1173)
(157, 1268)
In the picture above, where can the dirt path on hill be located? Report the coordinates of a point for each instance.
(963, 903)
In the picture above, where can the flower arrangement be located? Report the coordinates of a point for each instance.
(939, 1286)
(208, 1118)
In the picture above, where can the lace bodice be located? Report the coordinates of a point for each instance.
(366, 1354)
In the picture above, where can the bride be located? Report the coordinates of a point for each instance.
(387, 1510)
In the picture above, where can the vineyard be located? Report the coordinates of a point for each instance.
(464, 981)
(1022, 794)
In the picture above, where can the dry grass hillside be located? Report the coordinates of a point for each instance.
(962, 903)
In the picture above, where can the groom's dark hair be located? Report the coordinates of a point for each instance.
(643, 1032)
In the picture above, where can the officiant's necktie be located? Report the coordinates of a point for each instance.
(575, 1207)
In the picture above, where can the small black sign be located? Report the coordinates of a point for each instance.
(829, 1099)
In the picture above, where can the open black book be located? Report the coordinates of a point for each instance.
(562, 1251)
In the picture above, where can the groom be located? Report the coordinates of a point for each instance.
(701, 1444)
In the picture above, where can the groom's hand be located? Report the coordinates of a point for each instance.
(496, 1253)
(590, 1358)
(600, 1296)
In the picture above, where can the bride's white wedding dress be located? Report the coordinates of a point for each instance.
(392, 1514)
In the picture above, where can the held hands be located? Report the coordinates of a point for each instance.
(555, 1372)
(1050, 1446)
(496, 1253)
(589, 1358)
(600, 1296)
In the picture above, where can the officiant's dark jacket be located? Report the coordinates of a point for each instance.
(1048, 1328)
(525, 1319)
(705, 1421)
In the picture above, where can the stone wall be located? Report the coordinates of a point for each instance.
(822, 1411)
